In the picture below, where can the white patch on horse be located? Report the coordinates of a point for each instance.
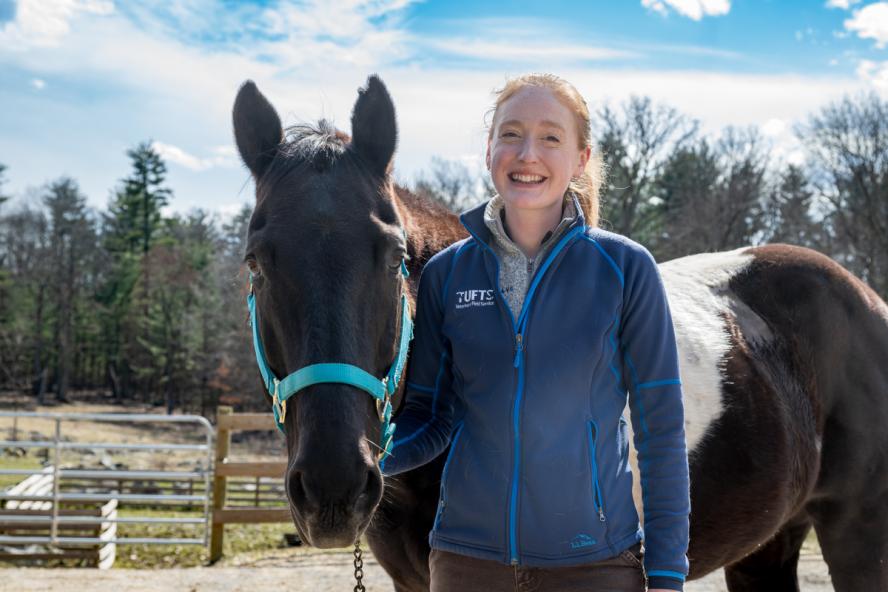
(697, 288)
(698, 293)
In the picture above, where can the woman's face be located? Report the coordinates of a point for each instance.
(533, 150)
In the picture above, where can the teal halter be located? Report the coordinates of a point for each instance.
(381, 390)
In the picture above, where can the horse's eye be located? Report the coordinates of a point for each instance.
(254, 268)
(397, 258)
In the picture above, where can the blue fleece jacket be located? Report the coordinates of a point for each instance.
(538, 471)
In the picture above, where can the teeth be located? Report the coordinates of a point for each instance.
(526, 178)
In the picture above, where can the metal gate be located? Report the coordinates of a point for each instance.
(91, 483)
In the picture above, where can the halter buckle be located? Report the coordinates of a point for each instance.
(281, 405)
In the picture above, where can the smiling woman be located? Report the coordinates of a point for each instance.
(536, 486)
(557, 118)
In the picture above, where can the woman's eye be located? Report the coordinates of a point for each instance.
(509, 135)
(553, 139)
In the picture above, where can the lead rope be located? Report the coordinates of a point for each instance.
(359, 569)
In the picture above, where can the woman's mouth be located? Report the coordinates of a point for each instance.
(524, 179)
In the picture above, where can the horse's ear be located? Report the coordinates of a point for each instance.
(257, 128)
(374, 131)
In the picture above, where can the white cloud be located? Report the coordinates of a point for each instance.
(38, 83)
(44, 23)
(224, 156)
(425, 98)
(693, 9)
(168, 86)
(783, 145)
(876, 73)
(144, 55)
(843, 4)
(487, 49)
(773, 127)
(871, 22)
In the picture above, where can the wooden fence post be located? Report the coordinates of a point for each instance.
(220, 482)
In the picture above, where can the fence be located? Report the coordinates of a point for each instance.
(92, 496)
(228, 422)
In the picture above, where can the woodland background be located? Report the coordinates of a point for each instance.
(149, 308)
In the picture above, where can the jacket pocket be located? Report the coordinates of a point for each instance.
(592, 428)
(442, 501)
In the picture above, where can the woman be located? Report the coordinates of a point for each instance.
(529, 336)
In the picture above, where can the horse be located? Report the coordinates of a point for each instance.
(782, 359)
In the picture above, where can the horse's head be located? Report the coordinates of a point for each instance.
(325, 249)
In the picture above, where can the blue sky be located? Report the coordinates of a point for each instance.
(83, 80)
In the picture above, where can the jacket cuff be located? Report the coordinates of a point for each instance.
(667, 580)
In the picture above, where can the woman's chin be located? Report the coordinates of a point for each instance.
(525, 201)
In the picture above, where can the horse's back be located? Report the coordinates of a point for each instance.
(782, 354)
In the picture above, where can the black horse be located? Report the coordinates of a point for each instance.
(784, 361)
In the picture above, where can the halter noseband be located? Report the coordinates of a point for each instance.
(381, 390)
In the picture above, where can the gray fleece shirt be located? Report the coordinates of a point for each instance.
(516, 269)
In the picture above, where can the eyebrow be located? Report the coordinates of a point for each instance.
(545, 122)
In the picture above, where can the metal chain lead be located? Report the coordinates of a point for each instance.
(359, 569)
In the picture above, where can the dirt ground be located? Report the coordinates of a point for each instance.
(331, 572)
(280, 569)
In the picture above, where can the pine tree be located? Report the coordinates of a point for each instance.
(3, 197)
(134, 215)
(72, 241)
(790, 217)
(132, 225)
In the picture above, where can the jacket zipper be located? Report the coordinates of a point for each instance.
(519, 328)
(516, 466)
(596, 487)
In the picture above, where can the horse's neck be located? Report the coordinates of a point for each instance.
(430, 227)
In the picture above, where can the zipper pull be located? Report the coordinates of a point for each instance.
(601, 515)
(518, 349)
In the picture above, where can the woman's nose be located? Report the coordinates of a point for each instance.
(527, 152)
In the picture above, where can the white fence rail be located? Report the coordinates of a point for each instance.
(36, 502)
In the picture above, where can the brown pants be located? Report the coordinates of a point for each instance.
(457, 573)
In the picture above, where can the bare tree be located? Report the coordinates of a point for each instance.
(848, 146)
(636, 142)
(453, 184)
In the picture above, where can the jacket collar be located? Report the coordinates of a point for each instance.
(473, 221)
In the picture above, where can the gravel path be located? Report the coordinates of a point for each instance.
(330, 572)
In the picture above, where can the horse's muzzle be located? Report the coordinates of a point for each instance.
(332, 512)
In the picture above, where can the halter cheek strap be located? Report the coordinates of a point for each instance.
(338, 373)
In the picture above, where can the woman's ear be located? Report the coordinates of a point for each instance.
(585, 154)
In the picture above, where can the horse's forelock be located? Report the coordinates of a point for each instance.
(319, 145)
(305, 146)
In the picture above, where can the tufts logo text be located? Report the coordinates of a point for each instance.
(467, 298)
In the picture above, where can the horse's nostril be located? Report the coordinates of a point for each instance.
(371, 491)
(296, 489)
